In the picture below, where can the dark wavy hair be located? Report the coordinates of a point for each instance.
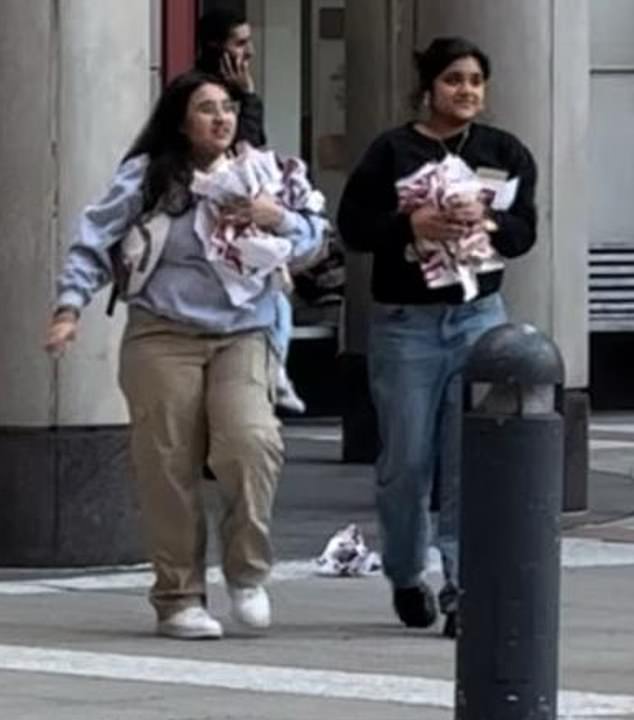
(213, 31)
(438, 57)
(170, 169)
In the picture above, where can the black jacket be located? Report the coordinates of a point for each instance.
(251, 120)
(369, 222)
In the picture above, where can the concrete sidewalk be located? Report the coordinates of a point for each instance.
(113, 668)
(72, 647)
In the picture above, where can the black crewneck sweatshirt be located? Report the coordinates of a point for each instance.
(369, 221)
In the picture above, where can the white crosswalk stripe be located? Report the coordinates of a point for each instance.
(340, 685)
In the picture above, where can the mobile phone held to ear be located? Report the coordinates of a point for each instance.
(230, 67)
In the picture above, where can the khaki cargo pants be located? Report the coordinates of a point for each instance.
(195, 398)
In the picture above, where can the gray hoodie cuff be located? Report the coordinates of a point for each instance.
(70, 299)
(288, 224)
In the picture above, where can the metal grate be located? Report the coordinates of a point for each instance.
(612, 287)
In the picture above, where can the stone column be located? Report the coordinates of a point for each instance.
(539, 90)
(74, 90)
(379, 40)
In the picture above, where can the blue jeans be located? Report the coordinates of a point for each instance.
(416, 355)
(280, 333)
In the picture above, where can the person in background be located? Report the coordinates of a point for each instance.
(419, 336)
(197, 373)
(225, 49)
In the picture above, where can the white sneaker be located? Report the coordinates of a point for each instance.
(285, 395)
(251, 606)
(191, 623)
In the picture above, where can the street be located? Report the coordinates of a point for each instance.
(81, 644)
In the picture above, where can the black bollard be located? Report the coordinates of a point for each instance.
(512, 478)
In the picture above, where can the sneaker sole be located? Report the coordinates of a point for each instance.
(254, 626)
(450, 628)
(181, 634)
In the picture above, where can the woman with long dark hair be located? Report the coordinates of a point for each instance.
(197, 372)
(438, 246)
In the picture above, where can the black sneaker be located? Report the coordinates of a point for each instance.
(450, 628)
(416, 606)
(448, 601)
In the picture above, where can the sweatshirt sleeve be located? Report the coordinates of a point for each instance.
(367, 217)
(88, 266)
(307, 233)
(517, 227)
(251, 120)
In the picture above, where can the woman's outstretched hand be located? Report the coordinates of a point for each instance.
(62, 331)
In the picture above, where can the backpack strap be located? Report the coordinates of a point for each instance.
(150, 231)
(112, 300)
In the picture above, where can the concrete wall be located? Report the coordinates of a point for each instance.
(571, 186)
(327, 104)
(156, 48)
(104, 95)
(612, 110)
(379, 41)
(74, 90)
(277, 34)
(27, 173)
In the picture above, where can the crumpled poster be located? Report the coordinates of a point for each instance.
(443, 185)
(243, 255)
(347, 555)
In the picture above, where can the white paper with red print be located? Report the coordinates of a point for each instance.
(243, 255)
(441, 184)
(347, 555)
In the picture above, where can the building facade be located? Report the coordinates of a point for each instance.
(77, 79)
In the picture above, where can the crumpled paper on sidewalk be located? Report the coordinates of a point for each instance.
(442, 185)
(347, 555)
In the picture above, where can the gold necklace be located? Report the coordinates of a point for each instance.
(459, 146)
(432, 136)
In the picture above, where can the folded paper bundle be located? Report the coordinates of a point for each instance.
(245, 256)
(444, 185)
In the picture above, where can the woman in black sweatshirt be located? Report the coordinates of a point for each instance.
(420, 335)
